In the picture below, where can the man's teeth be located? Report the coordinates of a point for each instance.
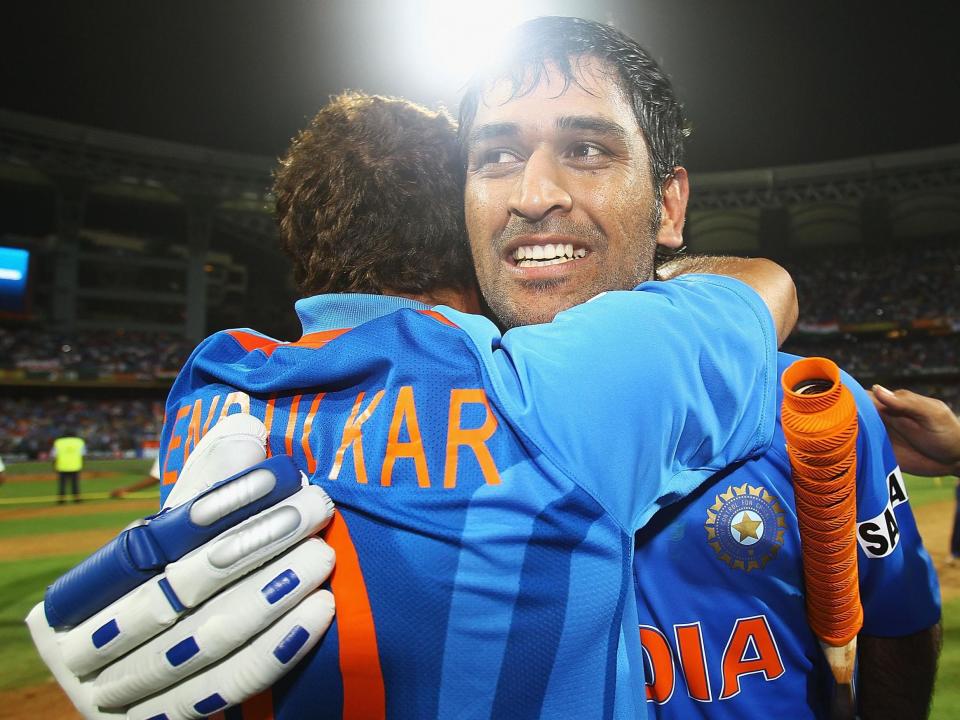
(549, 254)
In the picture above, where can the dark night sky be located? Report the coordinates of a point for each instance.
(765, 82)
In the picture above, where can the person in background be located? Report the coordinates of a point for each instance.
(67, 454)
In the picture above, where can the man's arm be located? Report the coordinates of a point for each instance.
(147, 482)
(896, 674)
(924, 432)
(897, 656)
(772, 283)
(150, 479)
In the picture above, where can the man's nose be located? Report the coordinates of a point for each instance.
(540, 189)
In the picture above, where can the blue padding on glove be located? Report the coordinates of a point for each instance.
(140, 552)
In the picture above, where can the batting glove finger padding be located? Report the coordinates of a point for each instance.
(218, 627)
(247, 672)
(154, 606)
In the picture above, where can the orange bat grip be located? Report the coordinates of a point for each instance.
(819, 417)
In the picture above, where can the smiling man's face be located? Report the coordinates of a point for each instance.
(559, 200)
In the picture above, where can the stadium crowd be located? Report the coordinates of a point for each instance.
(881, 357)
(110, 427)
(864, 284)
(91, 353)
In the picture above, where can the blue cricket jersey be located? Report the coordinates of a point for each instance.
(720, 584)
(488, 486)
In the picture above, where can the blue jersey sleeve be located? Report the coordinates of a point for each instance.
(640, 395)
(898, 585)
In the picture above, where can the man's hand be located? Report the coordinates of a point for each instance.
(924, 431)
(155, 598)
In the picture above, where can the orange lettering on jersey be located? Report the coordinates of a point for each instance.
(170, 476)
(353, 438)
(473, 438)
(268, 421)
(237, 399)
(291, 424)
(654, 642)
(405, 412)
(210, 413)
(693, 661)
(193, 429)
(750, 649)
(305, 440)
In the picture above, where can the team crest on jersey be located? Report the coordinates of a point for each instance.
(745, 527)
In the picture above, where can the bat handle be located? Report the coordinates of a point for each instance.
(841, 660)
(843, 704)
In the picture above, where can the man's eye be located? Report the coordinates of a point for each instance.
(584, 151)
(498, 157)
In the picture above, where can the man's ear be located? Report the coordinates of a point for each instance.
(673, 210)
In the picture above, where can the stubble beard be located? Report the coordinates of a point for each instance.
(544, 299)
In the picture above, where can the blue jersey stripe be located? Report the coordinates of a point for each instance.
(535, 631)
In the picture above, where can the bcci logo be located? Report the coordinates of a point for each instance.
(745, 527)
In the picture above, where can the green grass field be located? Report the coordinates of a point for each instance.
(946, 698)
(38, 492)
(22, 582)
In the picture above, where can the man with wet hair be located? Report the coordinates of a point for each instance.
(617, 140)
(573, 146)
(369, 201)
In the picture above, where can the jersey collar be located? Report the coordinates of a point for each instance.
(346, 310)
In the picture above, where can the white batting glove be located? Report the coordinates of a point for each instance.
(199, 626)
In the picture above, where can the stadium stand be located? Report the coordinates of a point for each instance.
(139, 247)
(111, 427)
(912, 287)
(35, 354)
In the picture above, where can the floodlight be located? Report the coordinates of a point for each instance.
(449, 39)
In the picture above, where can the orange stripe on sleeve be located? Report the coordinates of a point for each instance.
(363, 693)
(439, 318)
(319, 339)
(251, 342)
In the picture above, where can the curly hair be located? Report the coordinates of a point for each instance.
(558, 41)
(369, 199)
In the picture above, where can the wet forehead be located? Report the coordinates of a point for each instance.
(596, 93)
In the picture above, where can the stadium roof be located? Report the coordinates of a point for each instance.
(764, 83)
